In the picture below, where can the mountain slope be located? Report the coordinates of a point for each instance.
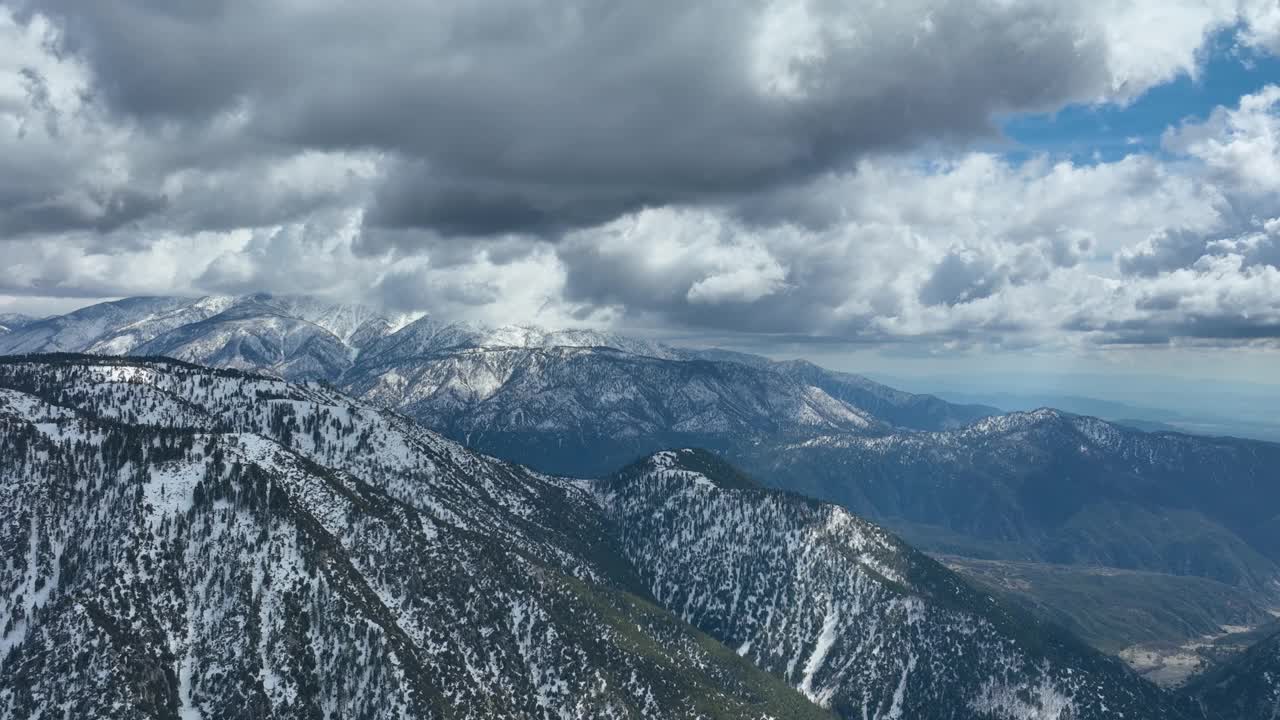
(210, 544)
(895, 407)
(92, 329)
(14, 321)
(844, 611)
(1038, 487)
(585, 411)
(579, 402)
(215, 545)
(1166, 627)
(353, 324)
(1247, 687)
(898, 408)
(255, 335)
(1059, 488)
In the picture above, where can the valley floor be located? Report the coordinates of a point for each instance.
(1166, 627)
(1170, 665)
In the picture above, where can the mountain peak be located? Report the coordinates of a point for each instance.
(14, 321)
(692, 465)
(1018, 421)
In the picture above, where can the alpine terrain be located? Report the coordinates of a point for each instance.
(198, 543)
(572, 402)
(1140, 542)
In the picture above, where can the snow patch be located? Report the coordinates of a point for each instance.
(821, 648)
(1007, 702)
(170, 490)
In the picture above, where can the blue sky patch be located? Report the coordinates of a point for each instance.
(1092, 133)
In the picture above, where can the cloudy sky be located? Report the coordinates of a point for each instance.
(993, 179)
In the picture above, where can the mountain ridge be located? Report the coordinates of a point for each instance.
(287, 517)
(1042, 487)
(482, 384)
(124, 326)
(287, 533)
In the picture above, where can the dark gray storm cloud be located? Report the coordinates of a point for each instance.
(790, 168)
(1225, 329)
(27, 211)
(959, 278)
(533, 116)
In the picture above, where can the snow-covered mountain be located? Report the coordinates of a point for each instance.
(1041, 487)
(14, 321)
(112, 327)
(844, 611)
(121, 327)
(187, 542)
(582, 402)
(588, 410)
(895, 407)
(256, 335)
(1023, 486)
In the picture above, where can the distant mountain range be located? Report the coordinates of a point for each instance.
(13, 321)
(1215, 422)
(1042, 487)
(197, 543)
(576, 402)
(1059, 488)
